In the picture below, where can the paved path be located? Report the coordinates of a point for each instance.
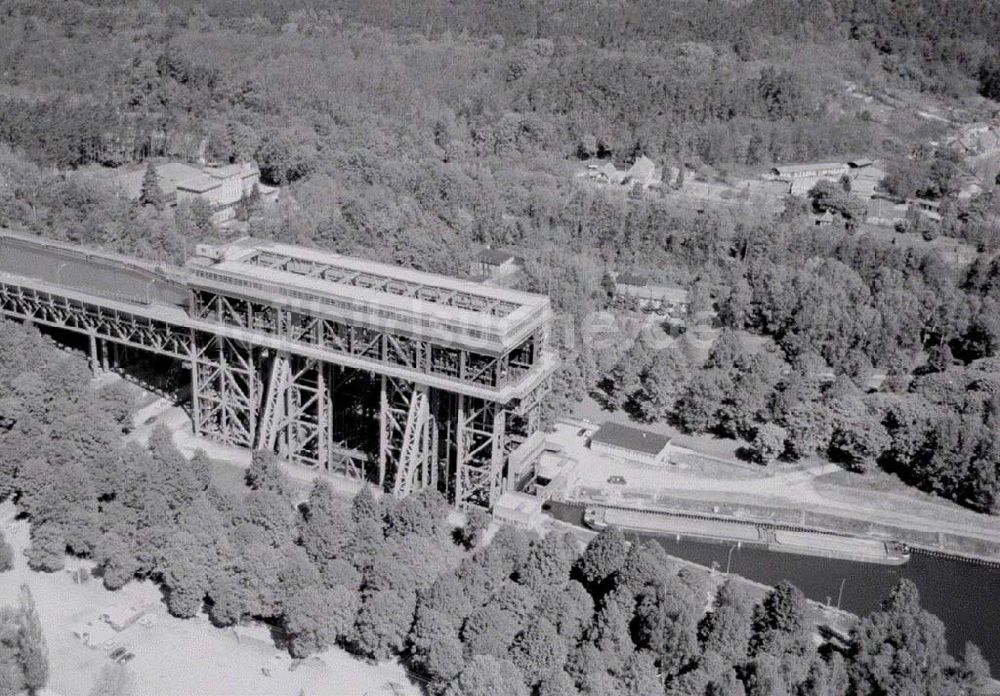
(163, 412)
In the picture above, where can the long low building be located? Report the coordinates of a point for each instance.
(802, 177)
(663, 299)
(632, 444)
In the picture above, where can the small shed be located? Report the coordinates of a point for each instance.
(518, 510)
(494, 263)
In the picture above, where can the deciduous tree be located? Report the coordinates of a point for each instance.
(901, 648)
(602, 559)
(485, 675)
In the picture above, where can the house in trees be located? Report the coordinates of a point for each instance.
(802, 177)
(925, 208)
(824, 220)
(885, 211)
(662, 299)
(222, 187)
(494, 264)
(631, 444)
(606, 173)
(642, 173)
(865, 176)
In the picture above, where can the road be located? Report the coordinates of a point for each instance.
(176, 420)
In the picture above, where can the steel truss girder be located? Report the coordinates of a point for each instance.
(296, 419)
(405, 436)
(414, 454)
(480, 453)
(133, 330)
(226, 390)
(275, 406)
(396, 349)
(302, 428)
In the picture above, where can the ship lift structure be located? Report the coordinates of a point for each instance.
(376, 372)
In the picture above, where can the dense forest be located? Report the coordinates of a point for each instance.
(418, 133)
(384, 577)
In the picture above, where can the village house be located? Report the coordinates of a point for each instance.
(887, 211)
(883, 210)
(662, 299)
(928, 209)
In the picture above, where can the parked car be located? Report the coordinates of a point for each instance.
(115, 654)
(617, 480)
(126, 658)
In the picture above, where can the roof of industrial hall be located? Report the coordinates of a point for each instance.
(627, 437)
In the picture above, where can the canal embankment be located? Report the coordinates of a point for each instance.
(967, 548)
(795, 541)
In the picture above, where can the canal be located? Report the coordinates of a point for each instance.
(962, 595)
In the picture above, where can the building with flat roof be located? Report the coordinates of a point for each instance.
(414, 303)
(802, 177)
(221, 186)
(665, 299)
(809, 170)
(633, 444)
(519, 510)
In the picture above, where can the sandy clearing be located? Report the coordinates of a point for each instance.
(177, 657)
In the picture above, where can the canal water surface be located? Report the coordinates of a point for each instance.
(965, 596)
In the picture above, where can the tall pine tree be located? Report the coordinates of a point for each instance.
(151, 193)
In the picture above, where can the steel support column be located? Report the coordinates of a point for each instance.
(95, 365)
(479, 453)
